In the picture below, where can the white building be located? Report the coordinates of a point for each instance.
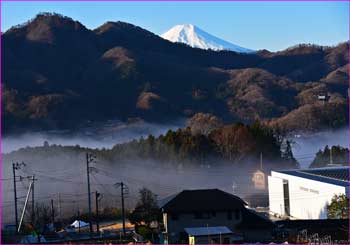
(305, 193)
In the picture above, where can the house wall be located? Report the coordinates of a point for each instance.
(173, 228)
(308, 198)
(257, 235)
(276, 198)
(214, 239)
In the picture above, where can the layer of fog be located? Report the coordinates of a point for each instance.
(92, 136)
(62, 177)
(64, 180)
(306, 146)
(62, 174)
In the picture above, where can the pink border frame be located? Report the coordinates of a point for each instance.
(146, 1)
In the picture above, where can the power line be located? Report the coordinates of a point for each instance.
(6, 179)
(103, 186)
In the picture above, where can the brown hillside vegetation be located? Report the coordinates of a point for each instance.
(74, 75)
(313, 117)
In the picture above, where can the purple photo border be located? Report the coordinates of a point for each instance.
(218, 1)
(349, 105)
(1, 203)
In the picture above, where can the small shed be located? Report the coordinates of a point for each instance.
(210, 235)
(323, 97)
(79, 224)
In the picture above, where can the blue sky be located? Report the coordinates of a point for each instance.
(255, 25)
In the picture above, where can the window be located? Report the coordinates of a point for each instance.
(198, 215)
(206, 215)
(229, 215)
(286, 197)
(174, 216)
(237, 214)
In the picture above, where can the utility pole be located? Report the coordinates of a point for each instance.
(25, 205)
(16, 166)
(123, 210)
(261, 161)
(78, 220)
(33, 207)
(97, 195)
(89, 158)
(59, 206)
(15, 192)
(52, 212)
(330, 156)
(122, 189)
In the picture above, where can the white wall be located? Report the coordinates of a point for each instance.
(308, 198)
(276, 198)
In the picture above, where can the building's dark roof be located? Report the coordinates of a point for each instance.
(332, 175)
(253, 220)
(165, 200)
(203, 200)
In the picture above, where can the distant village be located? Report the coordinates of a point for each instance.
(306, 206)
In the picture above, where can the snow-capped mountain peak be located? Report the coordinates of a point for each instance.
(197, 38)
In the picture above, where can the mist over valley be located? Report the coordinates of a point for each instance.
(58, 162)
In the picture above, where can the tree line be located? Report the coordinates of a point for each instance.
(228, 144)
(231, 143)
(334, 154)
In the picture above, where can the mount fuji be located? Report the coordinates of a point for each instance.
(197, 38)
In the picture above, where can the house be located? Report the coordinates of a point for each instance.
(199, 216)
(305, 193)
(323, 97)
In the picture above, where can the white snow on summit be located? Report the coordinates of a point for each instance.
(197, 38)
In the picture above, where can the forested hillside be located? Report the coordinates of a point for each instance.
(57, 74)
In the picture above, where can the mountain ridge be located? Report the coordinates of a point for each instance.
(122, 71)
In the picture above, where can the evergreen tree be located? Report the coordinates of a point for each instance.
(339, 207)
(146, 210)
